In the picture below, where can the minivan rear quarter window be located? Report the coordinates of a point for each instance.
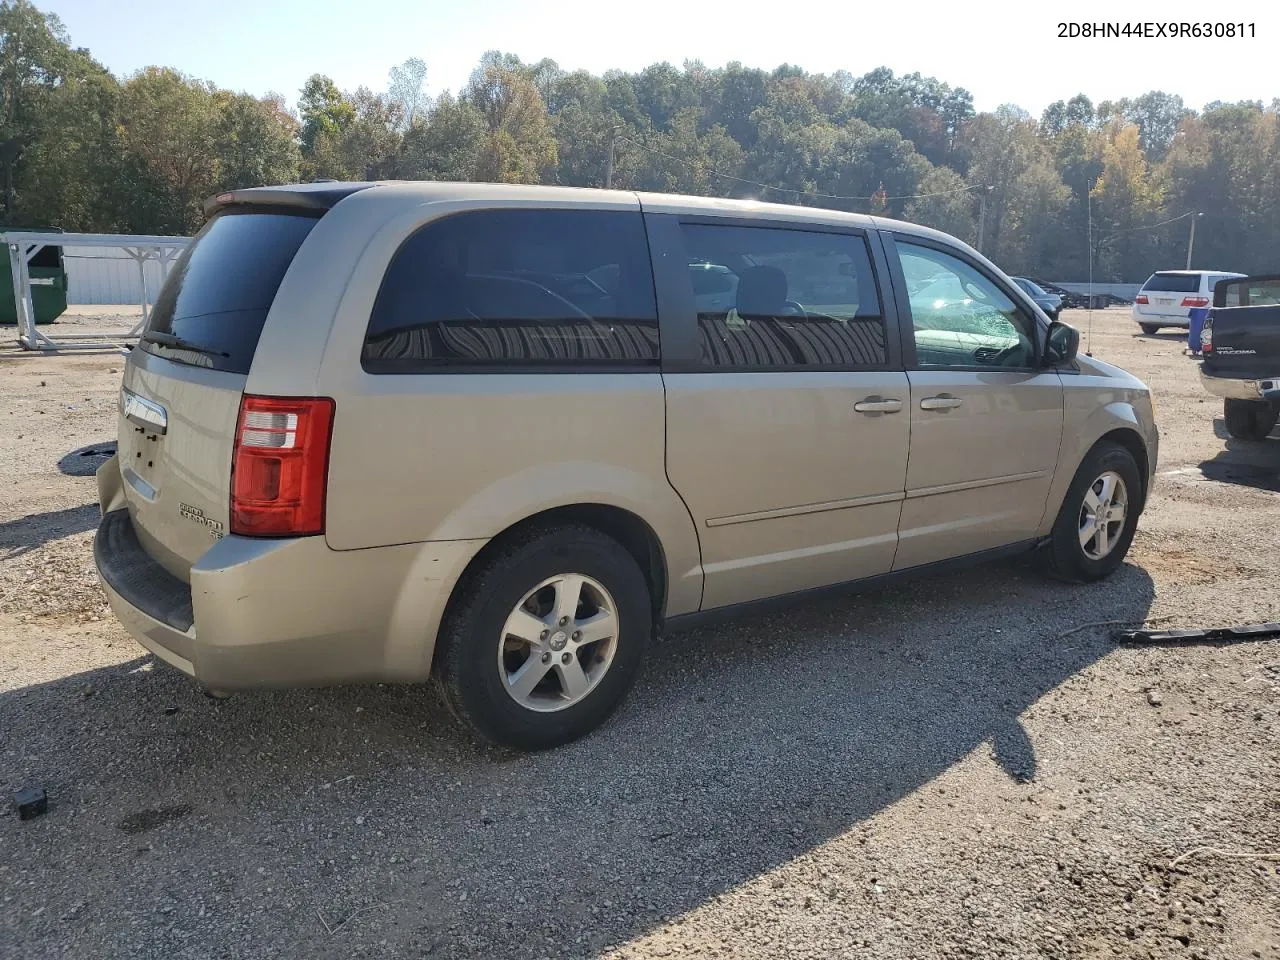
(217, 295)
(492, 289)
(1173, 283)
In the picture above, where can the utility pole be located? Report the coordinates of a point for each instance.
(982, 213)
(608, 170)
(1191, 240)
(1088, 196)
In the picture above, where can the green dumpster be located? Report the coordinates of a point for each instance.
(48, 284)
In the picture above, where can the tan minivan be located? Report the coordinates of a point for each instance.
(502, 434)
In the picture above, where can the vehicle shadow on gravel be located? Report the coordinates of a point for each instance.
(26, 533)
(257, 825)
(1244, 462)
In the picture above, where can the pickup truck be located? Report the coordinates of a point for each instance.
(1240, 344)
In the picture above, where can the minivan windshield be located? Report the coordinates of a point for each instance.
(1173, 283)
(211, 309)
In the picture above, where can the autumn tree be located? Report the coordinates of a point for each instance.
(1125, 202)
(519, 145)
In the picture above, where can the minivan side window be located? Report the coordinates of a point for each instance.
(959, 316)
(532, 288)
(769, 298)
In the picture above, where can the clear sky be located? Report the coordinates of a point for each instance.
(1002, 53)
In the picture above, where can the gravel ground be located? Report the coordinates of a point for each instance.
(932, 771)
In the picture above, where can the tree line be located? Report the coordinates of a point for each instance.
(83, 150)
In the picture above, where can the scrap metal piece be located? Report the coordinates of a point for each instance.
(1253, 631)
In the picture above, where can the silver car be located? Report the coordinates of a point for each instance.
(503, 434)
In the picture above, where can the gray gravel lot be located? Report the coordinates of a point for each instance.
(931, 771)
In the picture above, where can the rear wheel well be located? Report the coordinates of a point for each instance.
(1132, 441)
(635, 536)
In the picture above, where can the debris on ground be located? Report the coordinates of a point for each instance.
(31, 802)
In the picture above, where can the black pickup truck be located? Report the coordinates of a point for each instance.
(1240, 343)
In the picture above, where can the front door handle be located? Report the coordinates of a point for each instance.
(940, 402)
(878, 405)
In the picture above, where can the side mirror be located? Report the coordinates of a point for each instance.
(1062, 344)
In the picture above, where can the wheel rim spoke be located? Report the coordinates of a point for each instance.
(530, 673)
(1091, 500)
(1088, 530)
(601, 626)
(1102, 543)
(525, 626)
(573, 679)
(1108, 486)
(568, 595)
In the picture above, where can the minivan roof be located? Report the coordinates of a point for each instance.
(327, 194)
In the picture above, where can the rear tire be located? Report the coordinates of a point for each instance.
(1150, 328)
(1106, 489)
(1249, 419)
(482, 650)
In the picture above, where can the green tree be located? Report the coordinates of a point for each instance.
(520, 146)
(1155, 114)
(1005, 153)
(1225, 164)
(170, 125)
(1062, 114)
(72, 171)
(256, 141)
(683, 161)
(366, 146)
(447, 146)
(323, 109)
(947, 204)
(35, 59)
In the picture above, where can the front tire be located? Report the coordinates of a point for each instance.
(1249, 419)
(1099, 515)
(1150, 328)
(545, 639)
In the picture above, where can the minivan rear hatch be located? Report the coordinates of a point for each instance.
(183, 382)
(1165, 293)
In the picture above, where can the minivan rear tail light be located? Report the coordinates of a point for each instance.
(1195, 301)
(1142, 298)
(280, 466)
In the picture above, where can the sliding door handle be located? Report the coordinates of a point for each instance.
(878, 405)
(940, 402)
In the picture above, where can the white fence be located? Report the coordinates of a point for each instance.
(105, 275)
(24, 246)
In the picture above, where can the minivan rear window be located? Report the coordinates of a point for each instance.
(1173, 283)
(217, 295)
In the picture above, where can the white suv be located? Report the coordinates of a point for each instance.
(1167, 298)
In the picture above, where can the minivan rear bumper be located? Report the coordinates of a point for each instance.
(264, 613)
